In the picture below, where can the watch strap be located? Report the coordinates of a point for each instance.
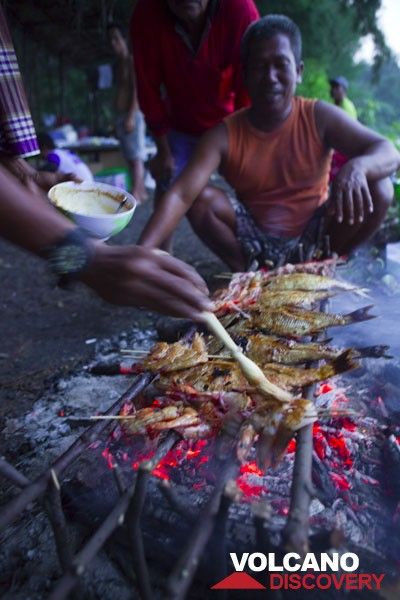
(70, 256)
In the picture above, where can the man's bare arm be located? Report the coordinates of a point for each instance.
(179, 198)
(128, 275)
(371, 158)
(375, 155)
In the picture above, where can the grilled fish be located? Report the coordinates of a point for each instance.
(150, 416)
(318, 267)
(276, 430)
(166, 357)
(274, 299)
(188, 418)
(215, 376)
(308, 282)
(291, 377)
(264, 349)
(296, 322)
(247, 438)
(220, 375)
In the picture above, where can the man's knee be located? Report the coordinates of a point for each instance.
(208, 204)
(382, 194)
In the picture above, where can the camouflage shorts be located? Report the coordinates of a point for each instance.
(263, 249)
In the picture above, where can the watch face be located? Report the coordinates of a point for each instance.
(68, 259)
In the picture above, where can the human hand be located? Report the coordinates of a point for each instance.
(129, 124)
(44, 180)
(36, 181)
(350, 199)
(144, 277)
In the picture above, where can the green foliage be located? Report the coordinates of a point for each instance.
(377, 97)
(315, 81)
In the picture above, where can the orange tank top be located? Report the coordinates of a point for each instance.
(280, 176)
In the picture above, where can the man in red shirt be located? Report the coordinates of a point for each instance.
(187, 61)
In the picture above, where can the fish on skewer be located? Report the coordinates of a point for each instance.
(250, 369)
(271, 349)
(296, 322)
(278, 298)
(276, 430)
(214, 376)
(309, 282)
(245, 289)
(247, 437)
(164, 357)
(150, 416)
(290, 377)
(225, 375)
(325, 267)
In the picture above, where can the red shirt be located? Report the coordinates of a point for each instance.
(200, 88)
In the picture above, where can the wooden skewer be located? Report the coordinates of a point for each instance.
(250, 370)
(322, 413)
(110, 417)
(137, 354)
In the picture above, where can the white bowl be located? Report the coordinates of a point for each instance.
(92, 206)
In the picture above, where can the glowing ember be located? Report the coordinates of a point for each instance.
(340, 481)
(107, 455)
(251, 467)
(161, 472)
(249, 491)
(248, 481)
(324, 388)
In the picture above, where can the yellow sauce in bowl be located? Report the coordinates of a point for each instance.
(89, 202)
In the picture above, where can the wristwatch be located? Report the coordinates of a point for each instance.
(69, 257)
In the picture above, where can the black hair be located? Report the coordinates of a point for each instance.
(45, 140)
(266, 28)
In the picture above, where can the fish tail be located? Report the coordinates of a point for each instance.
(372, 352)
(360, 315)
(344, 362)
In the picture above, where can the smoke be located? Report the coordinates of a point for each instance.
(382, 282)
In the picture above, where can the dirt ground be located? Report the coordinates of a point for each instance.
(44, 330)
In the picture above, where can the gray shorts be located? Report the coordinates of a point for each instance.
(133, 144)
(261, 248)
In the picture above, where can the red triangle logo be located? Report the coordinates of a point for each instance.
(238, 581)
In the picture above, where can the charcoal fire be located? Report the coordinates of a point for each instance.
(197, 460)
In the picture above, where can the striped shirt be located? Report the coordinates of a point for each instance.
(17, 132)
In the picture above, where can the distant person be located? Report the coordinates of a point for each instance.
(339, 87)
(187, 60)
(129, 125)
(59, 160)
(17, 132)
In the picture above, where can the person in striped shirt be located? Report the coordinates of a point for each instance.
(17, 132)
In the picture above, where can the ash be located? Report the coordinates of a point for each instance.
(356, 465)
(28, 559)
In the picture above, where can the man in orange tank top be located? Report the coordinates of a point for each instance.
(276, 156)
